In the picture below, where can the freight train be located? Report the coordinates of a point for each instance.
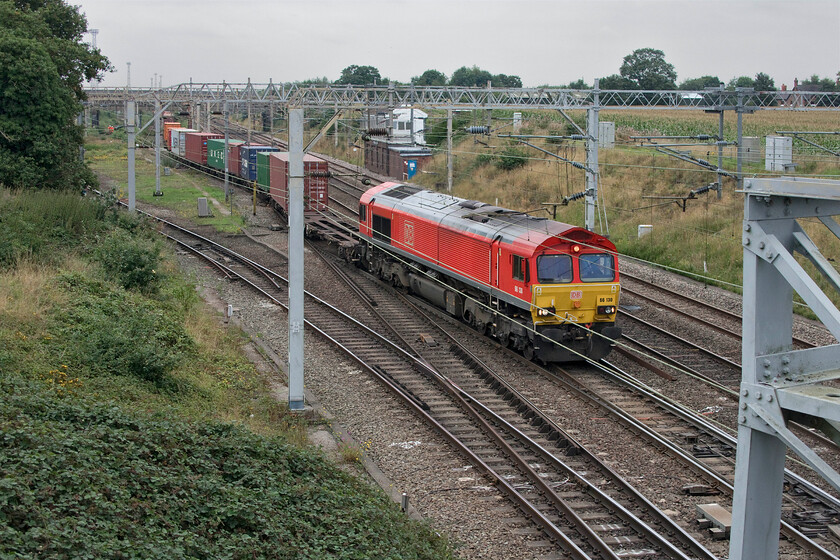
(265, 165)
(547, 289)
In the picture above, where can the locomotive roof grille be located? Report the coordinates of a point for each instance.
(402, 191)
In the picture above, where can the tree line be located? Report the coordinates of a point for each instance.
(464, 76)
(643, 69)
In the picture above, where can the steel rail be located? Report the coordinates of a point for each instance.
(692, 301)
(551, 529)
(708, 353)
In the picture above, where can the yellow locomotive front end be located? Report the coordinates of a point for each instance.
(574, 303)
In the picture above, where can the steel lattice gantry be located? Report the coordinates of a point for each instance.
(455, 97)
(780, 384)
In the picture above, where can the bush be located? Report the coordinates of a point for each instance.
(87, 480)
(119, 333)
(133, 261)
(511, 158)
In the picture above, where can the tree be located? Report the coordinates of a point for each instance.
(824, 84)
(476, 77)
(580, 84)
(648, 70)
(470, 77)
(763, 82)
(359, 75)
(430, 78)
(503, 80)
(617, 82)
(43, 63)
(698, 84)
(741, 81)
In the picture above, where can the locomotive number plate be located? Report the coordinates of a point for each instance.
(576, 294)
(605, 300)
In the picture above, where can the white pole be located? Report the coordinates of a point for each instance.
(129, 126)
(296, 398)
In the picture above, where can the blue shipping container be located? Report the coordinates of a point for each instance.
(248, 160)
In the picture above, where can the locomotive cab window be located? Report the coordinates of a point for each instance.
(597, 267)
(381, 228)
(362, 213)
(520, 268)
(554, 269)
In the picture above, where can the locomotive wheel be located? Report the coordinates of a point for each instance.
(528, 351)
(505, 341)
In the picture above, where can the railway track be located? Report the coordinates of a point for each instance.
(582, 519)
(684, 357)
(710, 316)
(703, 447)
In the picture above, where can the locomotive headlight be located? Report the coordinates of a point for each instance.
(606, 309)
(545, 311)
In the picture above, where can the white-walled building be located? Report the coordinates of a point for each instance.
(402, 125)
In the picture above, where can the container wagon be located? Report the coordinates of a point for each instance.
(315, 183)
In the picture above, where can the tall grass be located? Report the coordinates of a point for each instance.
(39, 225)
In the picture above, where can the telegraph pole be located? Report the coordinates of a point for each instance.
(249, 117)
(740, 110)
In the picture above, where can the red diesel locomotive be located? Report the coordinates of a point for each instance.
(530, 282)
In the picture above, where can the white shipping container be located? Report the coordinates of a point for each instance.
(778, 153)
(176, 139)
(179, 144)
(182, 141)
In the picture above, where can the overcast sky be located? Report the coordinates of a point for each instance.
(551, 42)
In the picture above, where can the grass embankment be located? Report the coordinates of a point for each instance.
(131, 426)
(181, 189)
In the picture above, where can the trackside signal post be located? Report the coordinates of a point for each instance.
(780, 384)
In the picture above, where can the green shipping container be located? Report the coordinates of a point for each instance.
(216, 155)
(263, 174)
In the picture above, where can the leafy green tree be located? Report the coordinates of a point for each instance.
(359, 75)
(763, 82)
(43, 63)
(617, 82)
(824, 84)
(741, 81)
(470, 77)
(648, 69)
(698, 84)
(580, 84)
(322, 81)
(476, 77)
(503, 80)
(430, 78)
